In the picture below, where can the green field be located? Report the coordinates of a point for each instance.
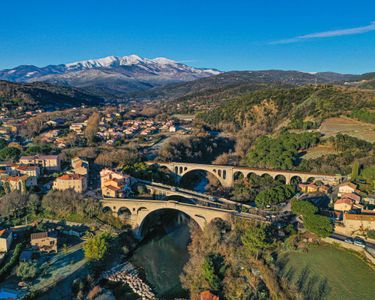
(327, 272)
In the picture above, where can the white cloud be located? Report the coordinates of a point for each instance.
(326, 34)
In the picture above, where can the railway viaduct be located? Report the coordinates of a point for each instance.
(227, 174)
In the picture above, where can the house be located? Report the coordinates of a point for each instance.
(6, 239)
(346, 188)
(343, 204)
(80, 166)
(370, 199)
(354, 197)
(48, 162)
(308, 187)
(359, 221)
(114, 184)
(18, 183)
(44, 241)
(76, 182)
(77, 127)
(207, 295)
(324, 189)
(31, 171)
(56, 122)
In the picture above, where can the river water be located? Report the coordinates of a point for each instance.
(163, 252)
(162, 256)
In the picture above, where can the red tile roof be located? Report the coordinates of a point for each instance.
(70, 177)
(360, 217)
(344, 201)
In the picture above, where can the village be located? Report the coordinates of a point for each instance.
(351, 209)
(43, 240)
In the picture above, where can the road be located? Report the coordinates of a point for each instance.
(369, 246)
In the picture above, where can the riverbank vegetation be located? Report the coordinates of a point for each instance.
(233, 260)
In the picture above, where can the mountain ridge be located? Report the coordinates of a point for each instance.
(112, 74)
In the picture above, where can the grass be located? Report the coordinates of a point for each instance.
(328, 272)
(358, 129)
(318, 151)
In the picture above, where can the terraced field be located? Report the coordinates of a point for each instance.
(361, 130)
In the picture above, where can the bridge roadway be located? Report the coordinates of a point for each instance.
(227, 174)
(160, 189)
(203, 210)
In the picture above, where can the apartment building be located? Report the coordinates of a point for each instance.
(48, 162)
(75, 182)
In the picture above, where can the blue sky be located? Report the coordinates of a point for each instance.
(229, 35)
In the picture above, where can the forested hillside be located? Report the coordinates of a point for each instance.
(42, 94)
(273, 106)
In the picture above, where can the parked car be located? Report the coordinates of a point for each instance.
(359, 242)
(349, 240)
(214, 199)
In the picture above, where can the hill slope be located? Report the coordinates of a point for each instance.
(273, 106)
(45, 95)
(237, 82)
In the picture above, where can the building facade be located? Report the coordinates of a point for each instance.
(48, 162)
(44, 241)
(6, 238)
(76, 182)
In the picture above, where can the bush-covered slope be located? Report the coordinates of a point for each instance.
(283, 104)
(44, 95)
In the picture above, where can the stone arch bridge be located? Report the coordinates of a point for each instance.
(139, 209)
(227, 174)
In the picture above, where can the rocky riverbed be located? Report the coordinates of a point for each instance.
(126, 273)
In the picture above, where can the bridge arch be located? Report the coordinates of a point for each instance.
(280, 178)
(144, 217)
(106, 209)
(124, 212)
(142, 209)
(295, 180)
(238, 175)
(216, 174)
(266, 176)
(310, 180)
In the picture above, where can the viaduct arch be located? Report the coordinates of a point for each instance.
(226, 174)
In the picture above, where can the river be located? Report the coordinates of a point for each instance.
(162, 256)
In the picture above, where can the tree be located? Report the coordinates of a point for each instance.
(355, 170)
(9, 153)
(96, 247)
(13, 204)
(212, 271)
(27, 270)
(92, 127)
(303, 207)
(320, 225)
(274, 195)
(68, 204)
(3, 143)
(257, 238)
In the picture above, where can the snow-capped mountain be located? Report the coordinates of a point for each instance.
(110, 74)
